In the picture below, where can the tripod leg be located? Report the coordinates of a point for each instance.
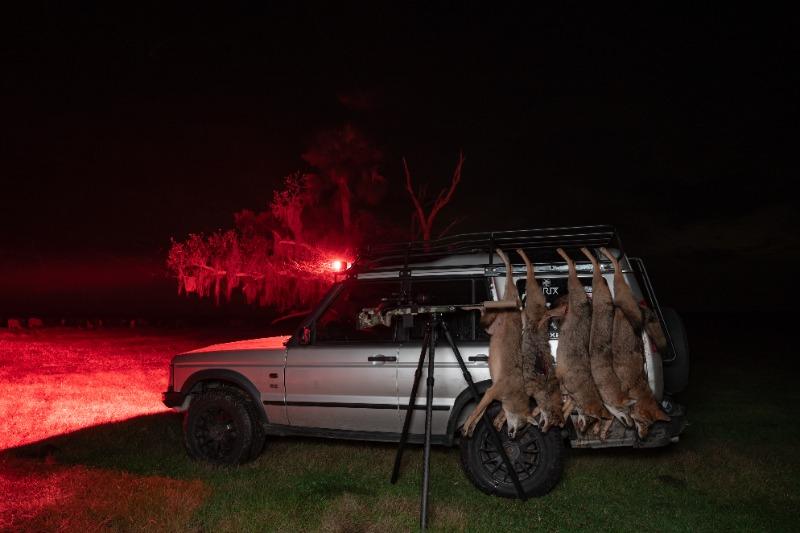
(426, 456)
(486, 420)
(412, 400)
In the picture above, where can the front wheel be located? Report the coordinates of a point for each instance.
(536, 457)
(218, 428)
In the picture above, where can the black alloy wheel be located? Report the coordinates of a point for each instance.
(523, 452)
(536, 457)
(218, 428)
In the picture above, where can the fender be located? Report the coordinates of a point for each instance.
(226, 376)
(463, 399)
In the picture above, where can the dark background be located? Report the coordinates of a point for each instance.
(125, 126)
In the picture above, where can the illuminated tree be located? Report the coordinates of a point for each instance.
(282, 256)
(271, 257)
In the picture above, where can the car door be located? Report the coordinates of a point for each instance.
(471, 341)
(346, 377)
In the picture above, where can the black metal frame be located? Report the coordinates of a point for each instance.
(538, 243)
(535, 241)
(650, 294)
(434, 325)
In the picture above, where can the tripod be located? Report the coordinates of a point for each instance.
(434, 326)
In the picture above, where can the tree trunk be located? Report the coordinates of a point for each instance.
(344, 199)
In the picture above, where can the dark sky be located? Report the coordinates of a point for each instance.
(125, 126)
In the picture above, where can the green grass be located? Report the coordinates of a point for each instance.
(736, 468)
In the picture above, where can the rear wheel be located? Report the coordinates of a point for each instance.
(536, 457)
(218, 428)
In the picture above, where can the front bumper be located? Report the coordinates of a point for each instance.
(173, 398)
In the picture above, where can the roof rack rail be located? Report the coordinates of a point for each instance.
(530, 240)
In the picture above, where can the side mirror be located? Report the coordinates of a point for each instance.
(305, 338)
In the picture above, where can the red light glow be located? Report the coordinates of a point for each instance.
(62, 380)
(337, 265)
(59, 380)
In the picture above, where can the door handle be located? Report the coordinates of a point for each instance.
(381, 358)
(479, 357)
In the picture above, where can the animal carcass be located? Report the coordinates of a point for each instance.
(539, 369)
(601, 357)
(573, 368)
(505, 361)
(628, 349)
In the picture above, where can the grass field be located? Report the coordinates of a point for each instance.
(85, 451)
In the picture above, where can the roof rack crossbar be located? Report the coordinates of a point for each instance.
(487, 242)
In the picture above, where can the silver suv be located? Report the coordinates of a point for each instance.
(335, 378)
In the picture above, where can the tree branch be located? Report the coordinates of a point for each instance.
(420, 212)
(225, 272)
(443, 198)
(450, 226)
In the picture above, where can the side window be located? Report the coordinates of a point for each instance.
(339, 322)
(463, 325)
(553, 288)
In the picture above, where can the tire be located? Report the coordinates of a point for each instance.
(676, 373)
(259, 435)
(218, 428)
(538, 458)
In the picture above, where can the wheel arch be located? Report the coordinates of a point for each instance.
(216, 377)
(463, 400)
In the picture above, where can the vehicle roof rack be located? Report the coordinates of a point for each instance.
(539, 243)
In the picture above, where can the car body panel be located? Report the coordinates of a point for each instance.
(336, 387)
(260, 361)
(448, 380)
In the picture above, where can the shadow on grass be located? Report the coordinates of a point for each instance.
(128, 475)
(146, 445)
(153, 445)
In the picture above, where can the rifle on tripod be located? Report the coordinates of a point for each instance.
(373, 316)
(436, 326)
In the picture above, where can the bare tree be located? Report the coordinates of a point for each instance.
(418, 198)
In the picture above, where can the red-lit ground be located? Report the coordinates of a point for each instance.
(56, 381)
(59, 380)
(51, 497)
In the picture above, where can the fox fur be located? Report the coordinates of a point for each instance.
(640, 317)
(539, 368)
(505, 362)
(628, 348)
(573, 368)
(601, 357)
